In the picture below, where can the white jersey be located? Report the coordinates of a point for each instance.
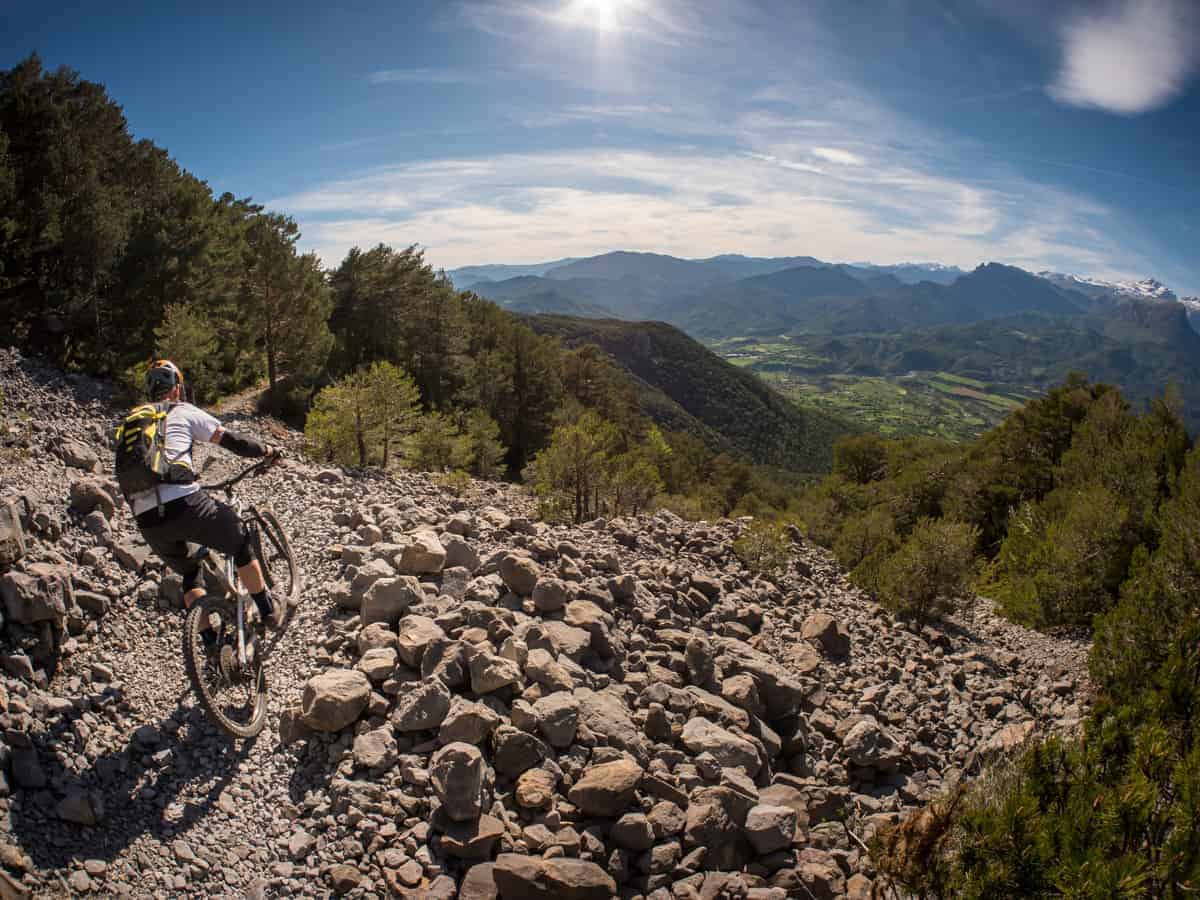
(185, 424)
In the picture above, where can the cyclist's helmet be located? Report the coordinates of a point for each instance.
(162, 376)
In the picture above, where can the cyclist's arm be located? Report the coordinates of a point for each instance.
(242, 445)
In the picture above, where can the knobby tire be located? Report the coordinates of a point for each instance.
(202, 664)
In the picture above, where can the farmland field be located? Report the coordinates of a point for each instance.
(933, 404)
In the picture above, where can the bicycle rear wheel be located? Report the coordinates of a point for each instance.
(275, 555)
(234, 696)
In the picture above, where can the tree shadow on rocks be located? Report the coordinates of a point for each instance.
(161, 781)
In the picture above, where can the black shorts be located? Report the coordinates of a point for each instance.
(194, 519)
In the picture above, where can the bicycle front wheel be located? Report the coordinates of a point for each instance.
(275, 556)
(232, 693)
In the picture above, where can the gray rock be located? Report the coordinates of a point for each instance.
(387, 599)
(92, 493)
(376, 636)
(458, 774)
(415, 633)
(422, 706)
(633, 831)
(607, 789)
(459, 554)
(825, 632)
(30, 598)
(425, 555)
(557, 718)
(770, 828)
(12, 534)
(515, 751)
(702, 736)
(529, 878)
(868, 745)
(376, 749)
(542, 668)
(467, 722)
(378, 664)
(333, 699)
(550, 594)
(81, 808)
(490, 672)
(520, 574)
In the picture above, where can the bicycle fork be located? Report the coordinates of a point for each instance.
(245, 652)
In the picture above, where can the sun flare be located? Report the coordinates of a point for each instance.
(603, 15)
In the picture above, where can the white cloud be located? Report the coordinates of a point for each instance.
(1129, 56)
(841, 157)
(528, 207)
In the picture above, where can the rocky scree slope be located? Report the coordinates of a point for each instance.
(468, 703)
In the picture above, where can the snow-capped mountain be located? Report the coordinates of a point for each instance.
(1146, 289)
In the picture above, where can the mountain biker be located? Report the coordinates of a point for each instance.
(179, 512)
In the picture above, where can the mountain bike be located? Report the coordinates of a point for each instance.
(223, 651)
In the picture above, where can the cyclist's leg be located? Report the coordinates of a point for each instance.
(167, 541)
(221, 529)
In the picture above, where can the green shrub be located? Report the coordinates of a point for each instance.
(861, 458)
(1063, 559)
(455, 482)
(764, 547)
(934, 567)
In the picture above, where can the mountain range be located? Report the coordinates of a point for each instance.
(999, 324)
(724, 296)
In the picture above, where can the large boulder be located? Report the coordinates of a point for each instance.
(387, 599)
(770, 828)
(780, 690)
(702, 736)
(81, 808)
(12, 534)
(868, 745)
(376, 749)
(78, 455)
(715, 817)
(550, 595)
(459, 554)
(415, 634)
(467, 722)
(422, 706)
(425, 555)
(533, 878)
(43, 594)
(93, 493)
(603, 713)
(459, 775)
(557, 717)
(825, 632)
(520, 574)
(490, 672)
(334, 699)
(607, 789)
(516, 751)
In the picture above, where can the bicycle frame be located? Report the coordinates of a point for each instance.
(228, 578)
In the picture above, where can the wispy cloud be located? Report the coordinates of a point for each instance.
(525, 207)
(429, 76)
(841, 157)
(1130, 56)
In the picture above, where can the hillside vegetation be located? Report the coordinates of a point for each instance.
(685, 386)
(1076, 511)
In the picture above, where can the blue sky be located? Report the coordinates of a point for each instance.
(1049, 135)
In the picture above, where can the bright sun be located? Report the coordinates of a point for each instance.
(603, 15)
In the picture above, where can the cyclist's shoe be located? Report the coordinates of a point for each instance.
(270, 610)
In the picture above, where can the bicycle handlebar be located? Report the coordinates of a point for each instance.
(229, 483)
